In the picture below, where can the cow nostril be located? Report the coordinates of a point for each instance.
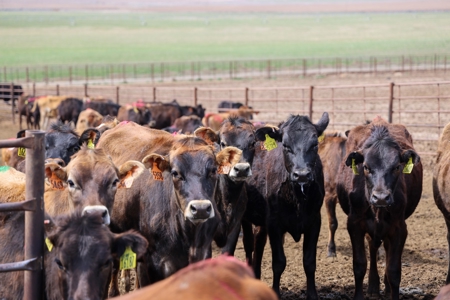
(208, 209)
(193, 209)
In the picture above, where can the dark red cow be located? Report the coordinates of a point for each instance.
(379, 186)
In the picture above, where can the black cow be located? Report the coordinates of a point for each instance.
(165, 114)
(286, 192)
(104, 108)
(80, 262)
(225, 105)
(69, 110)
(139, 115)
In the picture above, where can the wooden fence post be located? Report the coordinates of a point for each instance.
(34, 89)
(195, 96)
(86, 90)
(57, 90)
(12, 103)
(311, 97)
(246, 96)
(391, 101)
(117, 95)
(154, 94)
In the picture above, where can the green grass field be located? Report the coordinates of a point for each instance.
(39, 38)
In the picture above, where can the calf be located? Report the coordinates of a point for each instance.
(441, 183)
(220, 278)
(78, 260)
(88, 118)
(286, 192)
(377, 195)
(331, 152)
(172, 204)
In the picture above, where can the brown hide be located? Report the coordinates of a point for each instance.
(87, 119)
(214, 120)
(220, 278)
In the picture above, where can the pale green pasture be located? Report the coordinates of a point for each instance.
(38, 38)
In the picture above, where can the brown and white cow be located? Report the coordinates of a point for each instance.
(441, 181)
(214, 120)
(88, 118)
(379, 186)
(172, 204)
(220, 278)
(78, 258)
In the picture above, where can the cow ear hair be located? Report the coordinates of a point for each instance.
(322, 124)
(131, 239)
(347, 132)
(357, 156)
(272, 131)
(128, 172)
(156, 161)
(410, 153)
(228, 156)
(89, 134)
(56, 175)
(207, 134)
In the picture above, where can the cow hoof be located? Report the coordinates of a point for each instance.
(331, 255)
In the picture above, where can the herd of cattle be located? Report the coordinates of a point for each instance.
(115, 186)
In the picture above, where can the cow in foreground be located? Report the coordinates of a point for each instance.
(173, 203)
(220, 278)
(286, 192)
(379, 186)
(78, 259)
(441, 181)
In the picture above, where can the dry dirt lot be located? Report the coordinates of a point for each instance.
(425, 256)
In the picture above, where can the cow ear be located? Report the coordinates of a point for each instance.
(56, 175)
(90, 135)
(356, 156)
(131, 239)
(207, 134)
(226, 158)
(156, 164)
(272, 131)
(407, 154)
(322, 124)
(21, 134)
(128, 172)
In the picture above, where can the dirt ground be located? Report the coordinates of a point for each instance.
(424, 262)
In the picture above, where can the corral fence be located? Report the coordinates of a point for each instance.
(216, 70)
(34, 213)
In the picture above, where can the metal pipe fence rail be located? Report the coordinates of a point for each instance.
(34, 214)
(423, 107)
(155, 72)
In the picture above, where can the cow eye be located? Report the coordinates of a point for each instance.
(366, 168)
(60, 265)
(397, 168)
(222, 144)
(106, 264)
(176, 175)
(287, 148)
(76, 148)
(71, 183)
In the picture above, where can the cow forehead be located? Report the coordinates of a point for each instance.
(87, 160)
(61, 138)
(381, 157)
(192, 159)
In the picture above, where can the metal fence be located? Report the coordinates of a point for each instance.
(34, 214)
(207, 70)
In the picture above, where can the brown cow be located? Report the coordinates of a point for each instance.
(137, 113)
(88, 118)
(165, 114)
(378, 197)
(78, 259)
(48, 107)
(185, 124)
(214, 120)
(331, 152)
(220, 278)
(441, 182)
(173, 204)
(25, 106)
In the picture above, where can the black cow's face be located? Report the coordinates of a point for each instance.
(83, 252)
(239, 133)
(61, 145)
(383, 163)
(193, 169)
(299, 139)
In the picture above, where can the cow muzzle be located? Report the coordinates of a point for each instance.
(98, 209)
(302, 176)
(199, 211)
(381, 199)
(240, 172)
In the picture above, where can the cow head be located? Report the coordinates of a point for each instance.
(91, 178)
(192, 167)
(62, 142)
(239, 133)
(299, 140)
(82, 253)
(383, 162)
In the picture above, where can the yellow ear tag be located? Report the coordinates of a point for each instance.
(49, 244)
(354, 168)
(408, 167)
(128, 259)
(90, 144)
(135, 110)
(270, 143)
(21, 151)
(321, 138)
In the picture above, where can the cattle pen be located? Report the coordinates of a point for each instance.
(421, 106)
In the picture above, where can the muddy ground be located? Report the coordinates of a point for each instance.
(425, 256)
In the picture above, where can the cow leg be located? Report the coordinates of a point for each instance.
(330, 203)
(232, 240)
(248, 240)
(278, 256)
(260, 242)
(374, 279)
(359, 256)
(114, 283)
(394, 248)
(311, 237)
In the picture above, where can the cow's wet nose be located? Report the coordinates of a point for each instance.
(199, 210)
(302, 175)
(380, 199)
(58, 161)
(241, 170)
